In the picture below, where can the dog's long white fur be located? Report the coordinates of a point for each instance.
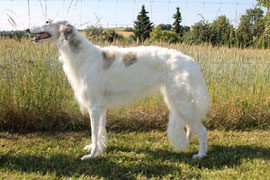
(110, 77)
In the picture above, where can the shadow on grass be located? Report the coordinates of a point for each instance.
(156, 163)
(217, 157)
(64, 166)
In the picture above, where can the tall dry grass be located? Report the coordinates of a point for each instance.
(34, 91)
(35, 95)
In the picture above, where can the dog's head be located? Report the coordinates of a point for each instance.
(52, 29)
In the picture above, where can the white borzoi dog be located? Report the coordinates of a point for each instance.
(108, 77)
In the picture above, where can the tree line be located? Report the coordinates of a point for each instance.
(253, 30)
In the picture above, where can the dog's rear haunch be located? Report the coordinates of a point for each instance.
(110, 77)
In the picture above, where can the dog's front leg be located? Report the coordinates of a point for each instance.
(95, 113)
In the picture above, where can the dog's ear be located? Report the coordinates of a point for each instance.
(66, 31)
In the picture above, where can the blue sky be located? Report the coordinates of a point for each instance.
(117, 13)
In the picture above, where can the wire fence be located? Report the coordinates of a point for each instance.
(19, 14)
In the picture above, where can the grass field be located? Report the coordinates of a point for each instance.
(232, 155)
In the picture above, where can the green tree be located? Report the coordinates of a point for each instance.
(166, 27)
(142, 26)
(220, 29)
(266, 21)
(251, 26)
(264, 3)
(200, 33)
(159, 35)
(177, 21)
(265, 37)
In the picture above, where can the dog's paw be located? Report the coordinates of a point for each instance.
(88, 147)
(198, 156)
(90, 156)
(94, 152)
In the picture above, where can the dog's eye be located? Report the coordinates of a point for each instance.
(49, 21)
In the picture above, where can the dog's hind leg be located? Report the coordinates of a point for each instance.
(179, 100)
(186, 111)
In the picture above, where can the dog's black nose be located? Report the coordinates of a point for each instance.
(27, 30)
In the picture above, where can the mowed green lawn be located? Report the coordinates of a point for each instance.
(134, 155)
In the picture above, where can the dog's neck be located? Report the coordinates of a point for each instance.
(77, 49)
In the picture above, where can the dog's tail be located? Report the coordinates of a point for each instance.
(176, 133)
